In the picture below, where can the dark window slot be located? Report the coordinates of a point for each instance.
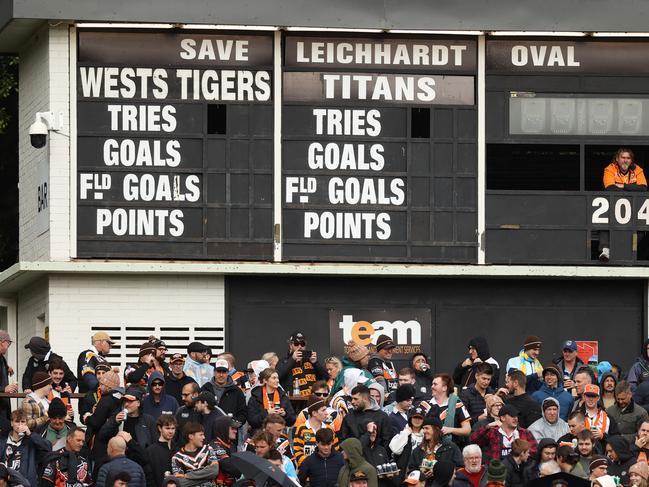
(420, 123)
(533, 167)
(216, 119)
(600, 156)
(643, 246)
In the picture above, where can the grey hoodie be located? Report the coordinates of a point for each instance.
(542, 428)
(381, 389)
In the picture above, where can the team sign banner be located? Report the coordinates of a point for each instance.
(409, 328)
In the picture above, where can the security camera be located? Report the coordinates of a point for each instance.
(38, 134)
(43, 123)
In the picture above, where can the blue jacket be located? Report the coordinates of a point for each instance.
(32, 448)
(560, 394)
(121, 464)
(167, 404)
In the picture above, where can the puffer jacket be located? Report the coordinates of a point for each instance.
(529, 366)
(121, 464)
(639, 371)
(542, 428)
(355, 463)
(560, 394)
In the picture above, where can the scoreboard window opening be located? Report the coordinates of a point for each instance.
(217, 119)
(597, 157)
(533, 167)
(577, 114)
(420, 123)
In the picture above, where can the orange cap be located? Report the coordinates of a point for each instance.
(591, 389)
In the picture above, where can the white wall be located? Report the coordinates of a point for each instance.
(32, 303)
(60, 197)
(44, 86)
(77, 302)
(33, 96)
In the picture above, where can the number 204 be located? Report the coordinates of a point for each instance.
(622, 211)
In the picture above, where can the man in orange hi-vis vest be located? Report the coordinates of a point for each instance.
(595, 418)
(623, 174)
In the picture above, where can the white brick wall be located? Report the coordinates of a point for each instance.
(32, 303)
(77, 302)
(60, 197)
(44, 86)
(33, 96)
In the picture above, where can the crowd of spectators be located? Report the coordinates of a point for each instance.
(355, 420)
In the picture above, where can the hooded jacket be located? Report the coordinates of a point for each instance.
(355, 425)
(625, 458)
(167, 404)
(560, 394)
(542, 428)
(340, 378)
(464, 376)
(229, 398)
(639, 371)
(601, 380)
(222, 447)
(354, 463)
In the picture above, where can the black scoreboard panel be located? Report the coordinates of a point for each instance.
(557, 110)
(174, 146)
(379, 149)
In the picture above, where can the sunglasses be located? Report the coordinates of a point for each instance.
(299, 343)
(321, 394)
(157, 384)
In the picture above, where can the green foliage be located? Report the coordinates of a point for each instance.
(8, 86)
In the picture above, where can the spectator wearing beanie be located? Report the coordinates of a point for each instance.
(553, 387)
(358, 356)
(138, 374)
(304, 438)
(405, 394)
(527, 361)
(87, 403)
(35, 404)
(56, 429)
(496, 473)
(638, 474)
(109, 403)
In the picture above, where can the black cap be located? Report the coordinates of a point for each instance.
(132, 394)
(297, 336)
(38, 346)
(433, 421)
(206, 397)
(196, 347)
(509, 410)
(418, 411)
(405, 392)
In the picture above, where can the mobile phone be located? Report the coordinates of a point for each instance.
(306, 354)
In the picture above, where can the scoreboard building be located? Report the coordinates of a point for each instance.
(229, 173)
